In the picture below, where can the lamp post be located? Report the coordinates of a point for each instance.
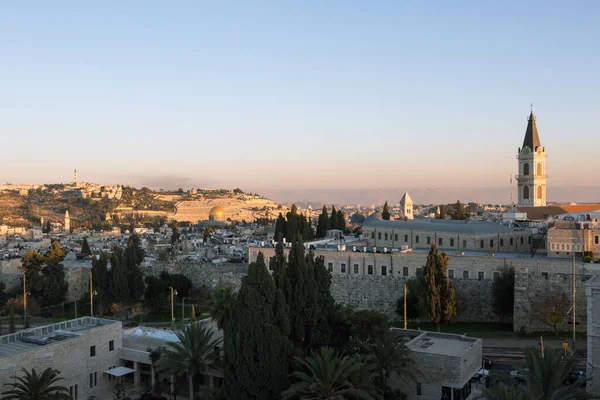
(25, 294)
(92, 294)
(173, 294)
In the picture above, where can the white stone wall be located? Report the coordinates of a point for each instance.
(72, 358)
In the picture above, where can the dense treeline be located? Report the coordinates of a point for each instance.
(336, 220)
(292, 225)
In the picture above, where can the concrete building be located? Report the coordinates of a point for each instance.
(446, 234)
(84, 350)
(593, 333)
(531, 180)
(444, 364)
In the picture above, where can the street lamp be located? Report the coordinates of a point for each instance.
(92, 294)
(25, 294)
(173, 294)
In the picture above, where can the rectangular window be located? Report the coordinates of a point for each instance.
(480, 275)
(370, 270)
(271, 267)
(71, 391)
(372, 235)
(596, 239)
(383, 270)
(451, 274)
(404, 271)
(356, 268)
(396, 237)
(465, 274)
(492, 243)
(440, 242)
(529, 240)
(92, 351)
(451, 242)
(343, 268)
(386, 236)
(76, 392)
(91, 380)
(428, 240)
(496, 275)
(330, 267)
(481, 244)
(111, 345)
(501, 242)
(521, 240)
(419, 391)
(545, 275)
(464, 244)
(417, 239)
(379, 235)
(512, 242)
(406, 239)
(95, 379)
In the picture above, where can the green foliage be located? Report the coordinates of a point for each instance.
(156, 294)
(119, 273)
(34, 386)
(85, 247)
(292, 225)
(323, 223)
(550, 307)
(460, 212)
(45, 275)
(223, 301)
(353, 329)
(442, 212)
(502, 392)
(389, 355)
(175, 235)
(588, 256)
(257, 348)
(195, 351)
(326, 376)
(441, 298)
(503, 292)
(385, 214)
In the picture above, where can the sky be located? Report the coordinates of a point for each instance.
(288, 95)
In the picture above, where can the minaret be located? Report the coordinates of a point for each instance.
(67, 222)
(407, 206)
(75, 177)
(532, 177)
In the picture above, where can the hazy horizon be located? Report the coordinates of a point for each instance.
(298, 97)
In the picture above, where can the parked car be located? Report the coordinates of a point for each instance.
(486, 362)
(520, 376)
(574, 376)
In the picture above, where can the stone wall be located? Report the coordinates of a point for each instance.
(593, 336)
(534, 285)
(204, 274)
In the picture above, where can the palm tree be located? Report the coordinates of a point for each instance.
(364, 381)
(502, 392)
(32, 386)
(547, 374)
(389, 355)
(195, 351)
(222, 302)
(326, 376)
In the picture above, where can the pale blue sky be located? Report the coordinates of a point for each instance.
(311, 94)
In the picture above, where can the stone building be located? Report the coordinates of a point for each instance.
(406, 206)
(84, 350)
(593, 333)
(444, 364)
(67, 225)
(447, 235)
(531, 180)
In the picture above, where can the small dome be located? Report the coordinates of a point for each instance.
(357, 218)
(374, 216)
(216, 214)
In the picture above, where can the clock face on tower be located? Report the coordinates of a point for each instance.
(526, 150)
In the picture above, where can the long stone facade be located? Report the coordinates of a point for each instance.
(593, 333)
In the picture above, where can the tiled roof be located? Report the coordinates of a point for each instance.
(532, 140)
(543, 212)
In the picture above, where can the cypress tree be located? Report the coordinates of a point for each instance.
(101, 279)
(135, 277)
(441, 298)
(442, 212)
(277, 264)
(325, 305)
(257, 351)
(120, 284)
(385, 214)
(279, 227)
(460, 210)
(341, 220)
(333, 220)
(85, 247)
(323, 223)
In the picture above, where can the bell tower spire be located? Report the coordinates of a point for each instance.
(532, 177)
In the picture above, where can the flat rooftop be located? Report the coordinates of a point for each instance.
(446, 344)
(444, 225)
(34, 338)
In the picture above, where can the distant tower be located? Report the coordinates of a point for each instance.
(75, 177)
(532, 177)
(407, 206)
(67, 221)
(42, 222)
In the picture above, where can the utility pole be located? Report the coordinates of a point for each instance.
(173, 293)
(405, 324)
(574, 305)
(92, 294)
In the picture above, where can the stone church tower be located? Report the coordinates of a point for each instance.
(532, 177)
(406, 205)
(67, 225)
(75, 177)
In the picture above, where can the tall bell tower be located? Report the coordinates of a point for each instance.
(532, 177)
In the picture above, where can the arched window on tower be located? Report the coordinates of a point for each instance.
(539, 192)
(526, 192)
(526, 169)
(539, 169)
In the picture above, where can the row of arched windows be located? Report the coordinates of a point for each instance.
(526, 169)
(526, 192)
